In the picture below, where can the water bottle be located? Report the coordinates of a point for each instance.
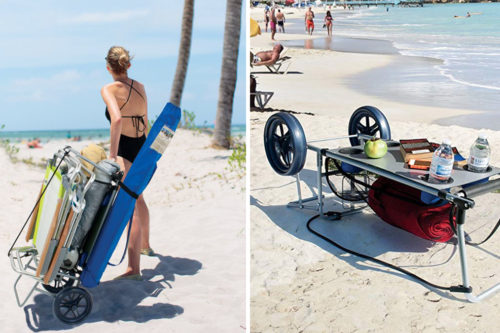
(442, 163)
(479, 157)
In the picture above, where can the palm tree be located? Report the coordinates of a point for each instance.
(184, 50)
(227, 84)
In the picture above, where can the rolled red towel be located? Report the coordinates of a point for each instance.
(435, 223)
(400, 206)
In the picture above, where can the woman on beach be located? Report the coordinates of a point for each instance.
(126, 109)
(328, 22)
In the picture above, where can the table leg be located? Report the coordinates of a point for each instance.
(463, 261)
(319, 162)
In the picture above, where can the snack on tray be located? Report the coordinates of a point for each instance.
(416, 149)
(417, 153)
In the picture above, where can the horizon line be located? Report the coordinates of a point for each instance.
(4, 130)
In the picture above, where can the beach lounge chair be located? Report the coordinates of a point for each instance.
(283, 60)
(275, 68)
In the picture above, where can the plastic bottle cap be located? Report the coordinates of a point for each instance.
(482, 136)
(447, 142)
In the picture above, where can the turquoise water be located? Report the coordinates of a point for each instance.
(447, 62)
(56, 134)
(469, 47)
(236, 129)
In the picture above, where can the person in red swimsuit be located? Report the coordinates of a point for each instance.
(127, 111)
(309, 20)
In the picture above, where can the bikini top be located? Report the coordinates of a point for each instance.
(136, 120)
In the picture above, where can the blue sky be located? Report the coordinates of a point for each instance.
(52, 59)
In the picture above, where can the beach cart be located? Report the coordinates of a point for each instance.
(80, 215)
(286, 149)
(73, 204)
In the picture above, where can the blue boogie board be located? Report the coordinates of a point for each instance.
(137, 179)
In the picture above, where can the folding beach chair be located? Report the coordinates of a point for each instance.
(275, 68)
(262, 98)
(258, 98)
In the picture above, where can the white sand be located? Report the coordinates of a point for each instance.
(300, 283)
(196, 284)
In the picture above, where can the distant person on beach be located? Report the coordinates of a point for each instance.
(280, 17)
(329, 22)
(253, 89)
(273, 22)
(309, 21)
(266, 16)
(265, 58)
(127, 112)
(35, 143)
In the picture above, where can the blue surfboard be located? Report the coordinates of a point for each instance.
(137, 179)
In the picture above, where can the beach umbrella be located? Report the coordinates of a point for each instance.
(254, 28)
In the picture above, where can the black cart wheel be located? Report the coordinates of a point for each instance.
(72, 305)
(368, 120)
(285, 144)
(60, 282)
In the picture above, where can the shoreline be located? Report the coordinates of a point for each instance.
(17, 136)
(346, 83)
(304, 73)
(418, 84)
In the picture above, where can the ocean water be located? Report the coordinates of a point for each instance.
(469, 47)
(55, 134)
(15, 136)
(448, 62)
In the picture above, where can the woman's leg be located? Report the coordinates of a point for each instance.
(143, 211)
(134, 242)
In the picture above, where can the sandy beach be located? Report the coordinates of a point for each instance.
(196, 283)
(300, 283)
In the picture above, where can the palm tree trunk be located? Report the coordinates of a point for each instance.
(184, 50)
(227, 85)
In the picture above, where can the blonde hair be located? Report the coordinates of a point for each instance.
(118, 59)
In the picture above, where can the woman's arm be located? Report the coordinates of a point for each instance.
(146, 119)
(116, 120)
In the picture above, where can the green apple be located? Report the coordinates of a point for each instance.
(375, 148)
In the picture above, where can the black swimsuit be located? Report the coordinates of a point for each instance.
(129, 147)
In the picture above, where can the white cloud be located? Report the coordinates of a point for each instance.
(45, 88)
(106, 17)
(64, 77)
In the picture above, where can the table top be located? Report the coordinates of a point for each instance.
(392, 166)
